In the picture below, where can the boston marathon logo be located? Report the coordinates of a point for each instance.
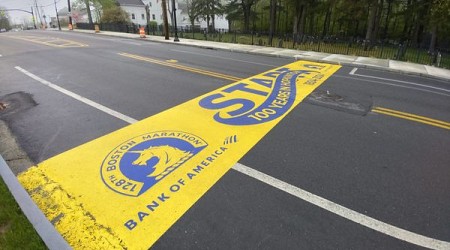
(138, 164)
(262, 99)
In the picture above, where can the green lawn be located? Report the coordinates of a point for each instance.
(16, 232)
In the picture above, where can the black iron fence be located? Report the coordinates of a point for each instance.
(385, 49)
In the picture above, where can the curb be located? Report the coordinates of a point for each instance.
(47, 232)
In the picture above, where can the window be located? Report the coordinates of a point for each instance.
(153, 17)
(133, 16)
(143, 16)
(150, 4)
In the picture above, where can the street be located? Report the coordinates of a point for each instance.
(361, 163)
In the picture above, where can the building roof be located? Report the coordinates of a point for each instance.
(131, 2)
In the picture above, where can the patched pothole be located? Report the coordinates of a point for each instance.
(15, 102)
(327, 99)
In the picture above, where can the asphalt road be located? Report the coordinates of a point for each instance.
(388, 168)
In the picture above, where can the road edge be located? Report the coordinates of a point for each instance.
(48, 233)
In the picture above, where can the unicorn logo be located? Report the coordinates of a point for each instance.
(169, 158)
(138, 164)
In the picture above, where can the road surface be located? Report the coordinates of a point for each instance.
(362, 163)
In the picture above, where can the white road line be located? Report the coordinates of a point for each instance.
(393, 80)
(395, 85)
(79, 98)
(330, 206)
(344, 212)
(353, 71)
(225, 58)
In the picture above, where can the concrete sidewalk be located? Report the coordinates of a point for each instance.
(366, 62)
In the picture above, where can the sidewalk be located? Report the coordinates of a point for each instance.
(357, 61)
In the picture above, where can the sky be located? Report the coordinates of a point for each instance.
(47, 6)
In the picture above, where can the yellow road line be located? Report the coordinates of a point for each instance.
(127, 188)
(52, 42)
(412, 117)
(182, 67)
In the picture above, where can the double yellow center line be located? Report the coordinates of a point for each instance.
(412, 117)
(182, 67)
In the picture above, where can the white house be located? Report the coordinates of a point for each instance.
(155, 9)
(136, 10)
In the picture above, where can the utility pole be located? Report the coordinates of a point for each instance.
(166, 22)
(174, 10)
(57, 16)
(34, 21)
(70, 12)
(38, 14)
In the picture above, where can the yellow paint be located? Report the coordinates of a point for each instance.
(177, 66)
(172, 61)
(414, 117)
(53, 42)
(94, 214)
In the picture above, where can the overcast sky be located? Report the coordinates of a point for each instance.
(47, 6)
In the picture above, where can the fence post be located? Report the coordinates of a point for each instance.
(318, 46)
(235, 36)
(439, 58)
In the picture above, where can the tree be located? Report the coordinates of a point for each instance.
(88, 9)
(234, 12)
(4, 19)
(371, 23)
(246, 11)
(115, 15)
(193, 11)
(98, 5)
(439, 20)
(207, 10)
(273, 12)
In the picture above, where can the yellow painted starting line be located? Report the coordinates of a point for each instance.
(412, 117)
(127, 188)
(51, 41)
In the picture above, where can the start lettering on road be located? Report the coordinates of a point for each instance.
(127, 188)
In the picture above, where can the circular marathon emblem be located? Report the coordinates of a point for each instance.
(138, 164)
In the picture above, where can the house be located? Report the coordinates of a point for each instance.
(155, 10)
(135, 9)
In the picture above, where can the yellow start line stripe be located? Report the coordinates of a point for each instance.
(127, 188)
(50, 41)
(182, 67)
(412, 117)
